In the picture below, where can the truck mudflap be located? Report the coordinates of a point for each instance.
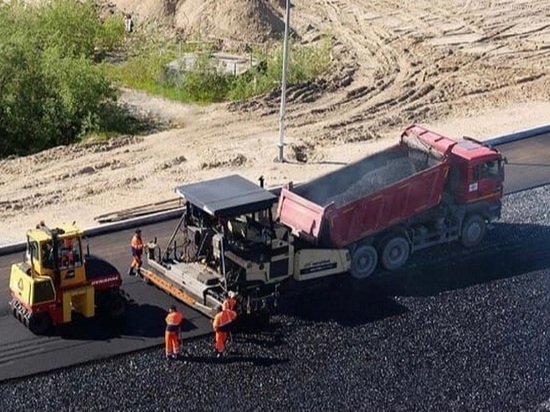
(177, 292)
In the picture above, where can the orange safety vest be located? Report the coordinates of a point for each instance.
(229, 303)
(222, 320)
(173, 321)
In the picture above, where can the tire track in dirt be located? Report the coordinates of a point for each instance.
(379, 68)
(402, 88)
(391, 70)
(394, 74)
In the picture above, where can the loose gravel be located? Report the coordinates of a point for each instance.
(456, 330)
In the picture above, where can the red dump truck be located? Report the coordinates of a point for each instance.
(426, 190)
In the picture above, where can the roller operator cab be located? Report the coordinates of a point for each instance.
(57, 278)
(227, 240)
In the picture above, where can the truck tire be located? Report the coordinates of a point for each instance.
(40, 323)
(363, 261)
(394, 252)
(473, 230)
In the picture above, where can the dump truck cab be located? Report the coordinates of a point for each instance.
(476, 170)
(57, 278)
(482, 170)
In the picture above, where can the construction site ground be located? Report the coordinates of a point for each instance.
(463, 68)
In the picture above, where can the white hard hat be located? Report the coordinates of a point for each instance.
(231, 294)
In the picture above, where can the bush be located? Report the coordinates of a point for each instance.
(111, 35)
(50, 90)
(69, 26)
(202, 84)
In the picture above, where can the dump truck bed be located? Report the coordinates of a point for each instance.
(366, 196)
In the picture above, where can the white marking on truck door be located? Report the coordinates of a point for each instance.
(472, 187)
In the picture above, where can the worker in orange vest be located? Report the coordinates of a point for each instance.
(172, 334)
(222, 325)
(231, 301)
(137, 250)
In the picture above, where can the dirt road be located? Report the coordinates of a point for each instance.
(466, 68)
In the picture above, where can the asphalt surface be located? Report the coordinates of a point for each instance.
(22, 353)
(528, 163)
(455, 330)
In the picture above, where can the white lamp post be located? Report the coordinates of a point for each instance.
(281, 143)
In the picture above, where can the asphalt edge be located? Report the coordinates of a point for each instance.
(519, 135)
(108, 228)
(175, 213)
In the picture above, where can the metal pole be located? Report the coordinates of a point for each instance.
(283, 85)
(223, 264)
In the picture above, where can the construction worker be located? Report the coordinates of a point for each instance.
(47, 255)
(222, 324)
(172, 335)
(137, 250)
(66, 252)
(231, 301)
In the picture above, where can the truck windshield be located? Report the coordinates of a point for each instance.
(70, 254)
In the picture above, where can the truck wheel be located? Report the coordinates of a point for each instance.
(394, 252)
(473, 230)
(40, 324)
(115, 306)
(363, 261)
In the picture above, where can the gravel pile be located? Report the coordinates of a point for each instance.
(375, 180)
(456, 331)
(395, 169)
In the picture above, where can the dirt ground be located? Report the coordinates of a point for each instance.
(476, 68)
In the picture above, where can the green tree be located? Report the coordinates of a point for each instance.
(51, 92)
(72, 27)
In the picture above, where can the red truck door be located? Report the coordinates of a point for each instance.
(486, 182)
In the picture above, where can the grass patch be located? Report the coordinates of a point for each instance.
(145, 70)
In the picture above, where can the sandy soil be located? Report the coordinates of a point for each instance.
(461, 68)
